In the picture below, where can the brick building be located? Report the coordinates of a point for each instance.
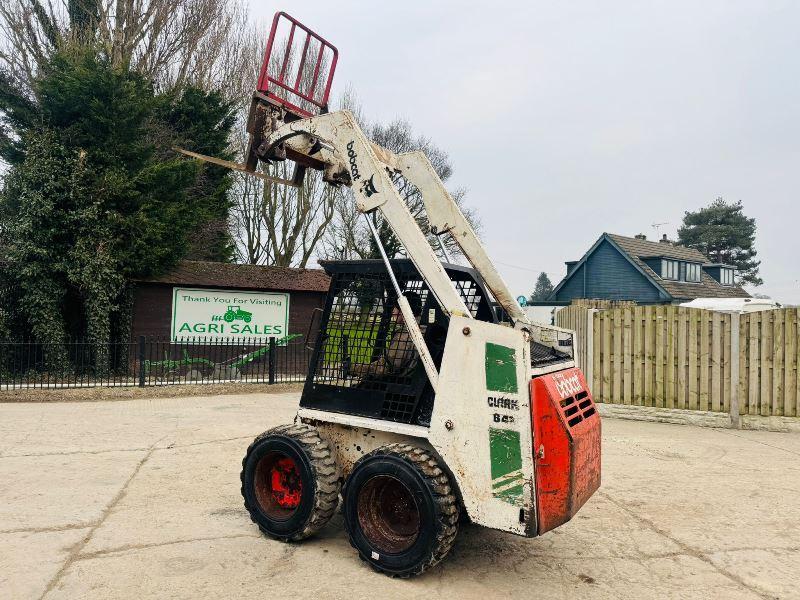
(153, 300)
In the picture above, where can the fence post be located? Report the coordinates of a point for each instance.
(589, 357)
(141, 361)
(271, 360)
(734, 401)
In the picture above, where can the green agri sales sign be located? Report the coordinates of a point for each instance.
(229, 315)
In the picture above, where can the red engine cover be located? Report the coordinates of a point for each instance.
(566, 446)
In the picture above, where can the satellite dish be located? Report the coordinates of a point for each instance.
(523, 301)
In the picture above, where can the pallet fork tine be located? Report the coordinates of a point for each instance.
(240, 168)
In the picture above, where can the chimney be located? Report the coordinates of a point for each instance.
(640, 236)
(664, 239)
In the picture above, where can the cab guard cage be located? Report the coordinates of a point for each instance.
(357, 328)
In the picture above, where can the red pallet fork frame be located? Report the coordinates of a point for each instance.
(283, 81)
(566, 446)
(282, 97)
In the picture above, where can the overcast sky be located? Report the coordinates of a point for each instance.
(567, 119)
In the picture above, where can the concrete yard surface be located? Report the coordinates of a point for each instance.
(140, 499)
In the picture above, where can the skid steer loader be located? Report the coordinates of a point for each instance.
(430, 397)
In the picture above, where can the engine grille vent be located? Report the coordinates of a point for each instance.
(577, 408)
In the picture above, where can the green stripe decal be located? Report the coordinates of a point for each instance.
(512, 496)
(506, 457)
(504, 481)
(501, 368)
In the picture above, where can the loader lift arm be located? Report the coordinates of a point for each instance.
(337, 141)
(445, 217)
(336, 137)
(289, 119)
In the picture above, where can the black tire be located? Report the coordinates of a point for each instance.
(400, 510)
(293, 512)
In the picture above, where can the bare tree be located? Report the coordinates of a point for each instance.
(171, 42)
(346, 237)
(281, 225)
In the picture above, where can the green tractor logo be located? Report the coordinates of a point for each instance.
(235, 313)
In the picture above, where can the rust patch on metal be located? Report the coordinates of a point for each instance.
(388, 514)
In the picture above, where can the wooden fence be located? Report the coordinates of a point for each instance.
(576, 317)
(769, 365)
(675, 357)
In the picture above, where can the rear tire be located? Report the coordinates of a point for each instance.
(400, 510)
(290, 482)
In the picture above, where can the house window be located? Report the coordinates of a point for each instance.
(693, 272)
(726, 276)
(669, 269)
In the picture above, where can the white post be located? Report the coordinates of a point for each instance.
(734, 399)
(590, 346)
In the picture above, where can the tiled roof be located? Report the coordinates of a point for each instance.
(646, 248)
(707, 288)
(228, 275)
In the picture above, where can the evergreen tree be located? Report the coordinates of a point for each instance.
(543, 289)
(34, 251)
(202, 122)
(95, 197)
(724, 234)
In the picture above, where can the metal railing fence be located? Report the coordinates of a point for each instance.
(149, 361)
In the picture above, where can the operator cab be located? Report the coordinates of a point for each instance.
(350, 371)
(363, 364)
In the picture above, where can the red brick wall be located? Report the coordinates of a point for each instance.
(152, 310)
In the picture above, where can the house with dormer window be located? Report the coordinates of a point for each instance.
(617, 267)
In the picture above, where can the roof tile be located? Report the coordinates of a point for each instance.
(637, 247)
(229, 275)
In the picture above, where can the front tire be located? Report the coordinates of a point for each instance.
(400, 510)
(290, 482)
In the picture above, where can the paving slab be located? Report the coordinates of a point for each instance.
(327, 568)
(181, 493)
(56, 490)
(706, 487)
(47, 428)
(774, 570)
(29, 560)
